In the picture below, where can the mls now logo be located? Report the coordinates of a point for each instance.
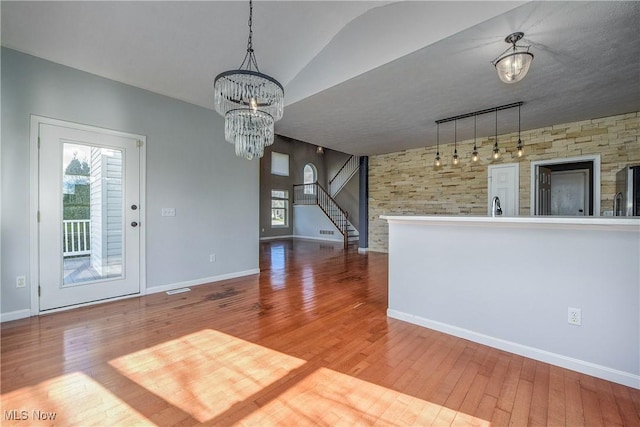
(15, 415)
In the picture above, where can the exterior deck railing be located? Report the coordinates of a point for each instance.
(76, 237)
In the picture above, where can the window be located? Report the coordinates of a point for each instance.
(279, 164)
(279, 208)
(310, 176)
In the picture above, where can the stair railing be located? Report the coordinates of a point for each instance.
(314, 194)
(348, 169)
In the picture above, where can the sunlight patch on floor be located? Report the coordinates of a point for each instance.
(328, 397)
(70, 399)
(216, 377)
(207, 372)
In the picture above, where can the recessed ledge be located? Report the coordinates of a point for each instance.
(594, 223)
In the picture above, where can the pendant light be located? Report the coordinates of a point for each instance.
(437, 162)
(474, 153)
(496, 150)
(513, 64)
(250, 102)
(456, 159)
(520, 147)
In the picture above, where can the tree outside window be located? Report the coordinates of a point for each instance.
(279, 208)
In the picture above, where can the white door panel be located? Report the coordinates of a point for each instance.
(504, 182)
(89, 240)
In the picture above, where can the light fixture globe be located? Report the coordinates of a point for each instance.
(514, 63)
(250, 102)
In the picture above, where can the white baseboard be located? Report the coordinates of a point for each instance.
(322, 239)
(288, 236)
(599, 371)
(203, 281)
(15, 315)
(363, 250)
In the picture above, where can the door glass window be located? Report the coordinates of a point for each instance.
(93, 217)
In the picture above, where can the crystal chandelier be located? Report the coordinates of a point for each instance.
(513, 64)
(251, 102)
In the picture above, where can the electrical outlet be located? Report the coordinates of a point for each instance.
(168, 212)
(21, 282)
(212, 257)
(574, 316)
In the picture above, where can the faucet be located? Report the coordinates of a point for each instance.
(496, 210)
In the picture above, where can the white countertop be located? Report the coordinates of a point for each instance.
(598, 222)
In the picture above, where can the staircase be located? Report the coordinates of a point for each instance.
(346, 172)
(314, 194)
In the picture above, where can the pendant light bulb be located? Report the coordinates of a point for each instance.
(496, 150)
(520, 148)
(474, 154)
(437, 163)
(456, 159)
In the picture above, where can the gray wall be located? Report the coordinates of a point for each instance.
(300, 153)
(189, 167)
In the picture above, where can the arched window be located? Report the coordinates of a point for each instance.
(310, 176)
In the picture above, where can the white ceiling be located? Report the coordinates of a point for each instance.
(363, 77)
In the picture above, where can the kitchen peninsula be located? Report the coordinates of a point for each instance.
(509, 282)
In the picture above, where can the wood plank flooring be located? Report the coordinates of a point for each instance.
(307, 342)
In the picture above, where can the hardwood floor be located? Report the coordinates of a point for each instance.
(307, 342)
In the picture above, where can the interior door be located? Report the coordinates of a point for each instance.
(543, 199)
(504, 182)
(88, 202)
(570, 192)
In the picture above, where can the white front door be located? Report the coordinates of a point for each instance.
(89, 211)
(504, 182)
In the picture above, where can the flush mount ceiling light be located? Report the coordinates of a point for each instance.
(250, 102)
(513, 64)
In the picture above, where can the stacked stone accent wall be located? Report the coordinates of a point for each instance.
(406, 183)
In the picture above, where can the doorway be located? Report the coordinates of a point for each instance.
(566, 187)
(89, 214)
(504, 182)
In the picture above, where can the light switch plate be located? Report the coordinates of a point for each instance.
(168, 212)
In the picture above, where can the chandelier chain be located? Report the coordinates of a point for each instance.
(250, 60)
(250, 41)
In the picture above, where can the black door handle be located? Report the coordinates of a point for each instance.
(134, 224)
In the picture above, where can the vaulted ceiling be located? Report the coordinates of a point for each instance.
(363, 77)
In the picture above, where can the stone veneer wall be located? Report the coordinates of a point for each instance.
(406, 183)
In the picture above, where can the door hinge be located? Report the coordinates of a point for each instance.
(39, 291)
(38, 215)
(138, 143)
(38, 143)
